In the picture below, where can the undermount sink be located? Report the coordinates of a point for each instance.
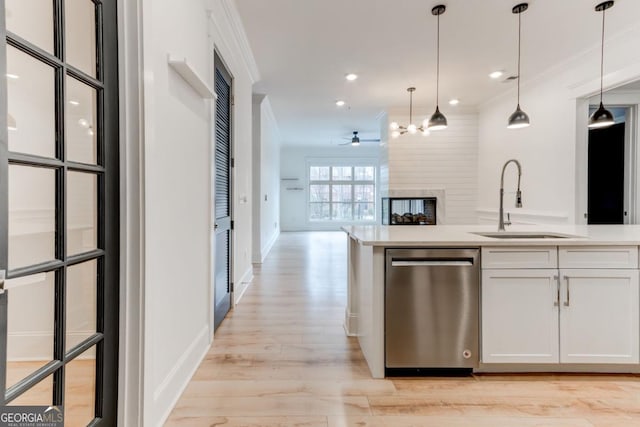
(523, 235)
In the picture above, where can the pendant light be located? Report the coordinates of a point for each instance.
(601, 117)
(398, 129)
(438, 120)
(519, 119)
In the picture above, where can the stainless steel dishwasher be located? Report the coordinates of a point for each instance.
(431, 309)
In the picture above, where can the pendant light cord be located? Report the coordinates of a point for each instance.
(519, 41)
(410, 107)
(438, 65)
(602, 57)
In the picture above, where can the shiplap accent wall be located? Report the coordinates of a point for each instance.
(445, 160)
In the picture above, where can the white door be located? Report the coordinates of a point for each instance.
(599, 320)
(520, 316)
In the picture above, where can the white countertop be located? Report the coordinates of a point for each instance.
(462, 235)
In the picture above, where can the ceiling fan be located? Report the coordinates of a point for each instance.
(355, 139)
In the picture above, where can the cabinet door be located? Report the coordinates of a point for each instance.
(599, 320)
(520, 316)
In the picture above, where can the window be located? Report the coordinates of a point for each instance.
(342, 193)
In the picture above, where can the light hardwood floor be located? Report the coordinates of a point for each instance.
(281, 358)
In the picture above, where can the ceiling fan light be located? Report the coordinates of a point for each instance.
(518, 119)
(412, 128)
(437, 121)
(394, 126)
(601, 118)
(355, 143)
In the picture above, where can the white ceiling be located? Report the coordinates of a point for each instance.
(303, 49)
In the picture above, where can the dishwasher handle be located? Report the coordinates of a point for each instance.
(435, 262)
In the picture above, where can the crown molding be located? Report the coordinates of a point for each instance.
(237, 41)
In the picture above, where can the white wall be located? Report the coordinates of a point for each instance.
(445, 160)
(175, 189)
(266, 178)
(293, 164)
(177, 199)
(553, 149)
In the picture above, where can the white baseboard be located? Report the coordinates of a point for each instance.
(350, 323)
(267, 248)
(166, 395)
(242, 285)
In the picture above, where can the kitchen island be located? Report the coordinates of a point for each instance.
(552, 298)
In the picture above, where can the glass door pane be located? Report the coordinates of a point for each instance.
(32, 20)
(82, 122)
(31, 115)
(30, 321)
(80, 35)
(32, 208)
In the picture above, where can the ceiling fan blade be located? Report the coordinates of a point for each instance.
(369, 140)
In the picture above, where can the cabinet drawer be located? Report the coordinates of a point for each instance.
(520, 257)
(598, 257)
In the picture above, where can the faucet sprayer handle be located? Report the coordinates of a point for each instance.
(518, 199)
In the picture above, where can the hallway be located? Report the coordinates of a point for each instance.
(281, 358)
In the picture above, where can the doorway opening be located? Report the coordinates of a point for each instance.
(611, 169)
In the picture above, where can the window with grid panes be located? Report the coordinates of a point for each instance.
(342, 193)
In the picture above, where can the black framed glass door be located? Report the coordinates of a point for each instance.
(59, 207)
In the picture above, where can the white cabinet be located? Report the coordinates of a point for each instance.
(599, 319)
(566, 315)
(520, 257)
(520, 316)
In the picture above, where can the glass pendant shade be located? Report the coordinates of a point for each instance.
(437, 121)
(519, 119)
(601, 118)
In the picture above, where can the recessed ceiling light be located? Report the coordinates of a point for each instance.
(339, 103)
(496, 74)
(454, 101)
(74, 103)
(351, 77)
(13, 76)
(84, 123)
